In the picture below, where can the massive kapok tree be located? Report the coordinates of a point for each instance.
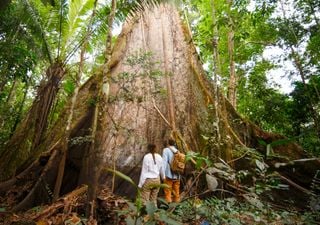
(153, 87)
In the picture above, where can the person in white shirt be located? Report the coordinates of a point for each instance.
(152, 169)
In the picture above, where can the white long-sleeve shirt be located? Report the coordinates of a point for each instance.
(150, 169)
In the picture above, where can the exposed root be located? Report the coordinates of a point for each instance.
(29, 199)
(6, 185)
(69, 209)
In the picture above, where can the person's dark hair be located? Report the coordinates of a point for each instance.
(171, 142)
(165, 143)
(152, 150)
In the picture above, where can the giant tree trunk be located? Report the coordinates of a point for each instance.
(157, 88)
(154, 67)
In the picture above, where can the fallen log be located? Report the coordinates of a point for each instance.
(63, 202)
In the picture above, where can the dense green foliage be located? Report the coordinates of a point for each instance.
(247, 206)
(20, 55)
(291, 30)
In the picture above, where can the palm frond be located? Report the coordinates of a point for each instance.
(84, 29)
(63, 7)
(77, 18)
(32, 10)
(136, 7)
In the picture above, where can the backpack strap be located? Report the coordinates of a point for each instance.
(173, 151)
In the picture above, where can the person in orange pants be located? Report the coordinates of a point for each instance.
(172, 193)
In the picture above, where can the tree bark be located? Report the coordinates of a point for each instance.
(28, 201)
(232, 88)
(110, 27)
(217, 71)
(12, 91)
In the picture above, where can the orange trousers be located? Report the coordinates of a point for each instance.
(173, 190)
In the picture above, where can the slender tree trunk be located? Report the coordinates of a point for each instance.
(93, 170)
(217, 70)
(316, 90)
(2, 83)
(215, 44)
(62, 163)
(109, 35)
(298, 64)
(232, 87)
(99, 125)
(12, 90)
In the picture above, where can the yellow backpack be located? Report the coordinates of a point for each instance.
(178, 162)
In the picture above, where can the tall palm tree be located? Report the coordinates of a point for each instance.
(61, 29)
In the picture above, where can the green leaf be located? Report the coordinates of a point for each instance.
(262, 142)
(159, 186)
(260, 165)
(282, 142)
(132, 207)
(130, 221)
(151, 208)
(123, 176)
(165, 218)
(204, 137)
(69, 87)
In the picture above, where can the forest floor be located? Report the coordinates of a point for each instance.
(113, 209)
